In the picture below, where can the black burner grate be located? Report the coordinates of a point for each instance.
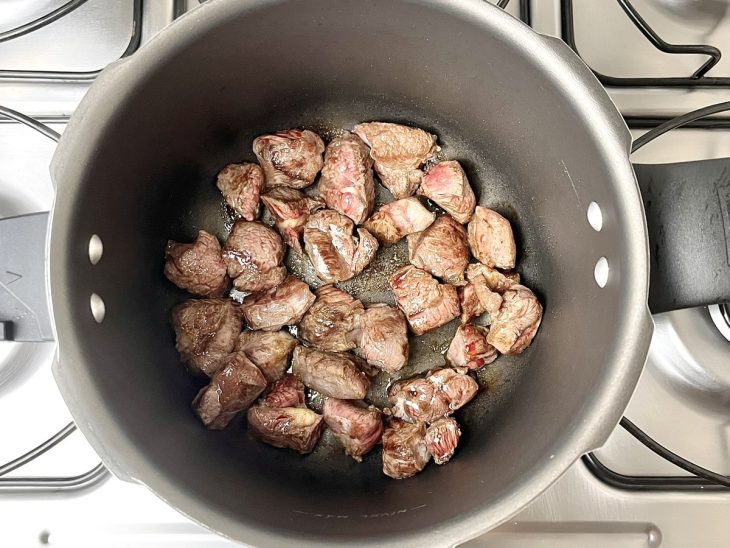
(698, 78)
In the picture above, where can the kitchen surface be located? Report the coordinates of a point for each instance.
(621, 495)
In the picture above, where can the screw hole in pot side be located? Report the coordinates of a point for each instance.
(96, 249)
(98, 308)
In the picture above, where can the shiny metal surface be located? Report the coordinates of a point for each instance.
(101, 28)
(580, 511)
(609, 43)
(682, 399)
(16, 13)
(616, 47)
(54, 99)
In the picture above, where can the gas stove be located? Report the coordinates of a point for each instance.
(620, 495)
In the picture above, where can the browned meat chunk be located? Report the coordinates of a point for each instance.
(447, 185)
(330, 321)
(404, 449)
(290, 209)
(471, 306)
(370, 370)
(494, 279)
(516, 323)
(330, 374)
(382, 337)
(347, 183)
(469, 348)
(399, 151)
(491, 239)
(206, 331)
(367, 247)
(426, 303)
(459, 387)
(417, 400)
(295, 428)
(290, 158)
(232, 389)
(490, 300)
(275, 308)
(394, 220)
(253, 255)
(442, 437)
(357, 427)
(334, 252)
(288, 391)
(477, 297)
(438, 394)
(441, 249)
(241, 185)
(197, 267)
(268, 350)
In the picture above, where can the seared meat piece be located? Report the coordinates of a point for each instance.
(330, 321)
(330, 374)
(241, 185)
(459, 387)
(370, 370)
(516, 323)
(497, 281)
(491, 239)
(441, 249)
(394, 220)
(295, 428)
(277, 307)
(382, 337)
(357, 427)
(290, 209)
(347, 183)
(268, 350)
(471, 306)
(253, 255)
(399, 151)
(469, 348)
(290, 158)
(288, 391)
(206, 331)
(442, 437)
(426, 303)
(404, 449)
(367, 247)
(477, 297)
(438, 394)
(447, 185)
(334, 252)
(232, 389)
(490, 300)
(417, 400)
(197, 267)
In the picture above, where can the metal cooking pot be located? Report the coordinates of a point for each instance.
(541, 142)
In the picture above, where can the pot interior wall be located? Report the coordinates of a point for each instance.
(327, 65)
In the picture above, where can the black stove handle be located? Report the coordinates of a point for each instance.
(688, 219)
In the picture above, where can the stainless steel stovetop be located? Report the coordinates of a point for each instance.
(683, 397)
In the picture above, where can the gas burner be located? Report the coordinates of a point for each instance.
(693, 356)
(720, 314)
